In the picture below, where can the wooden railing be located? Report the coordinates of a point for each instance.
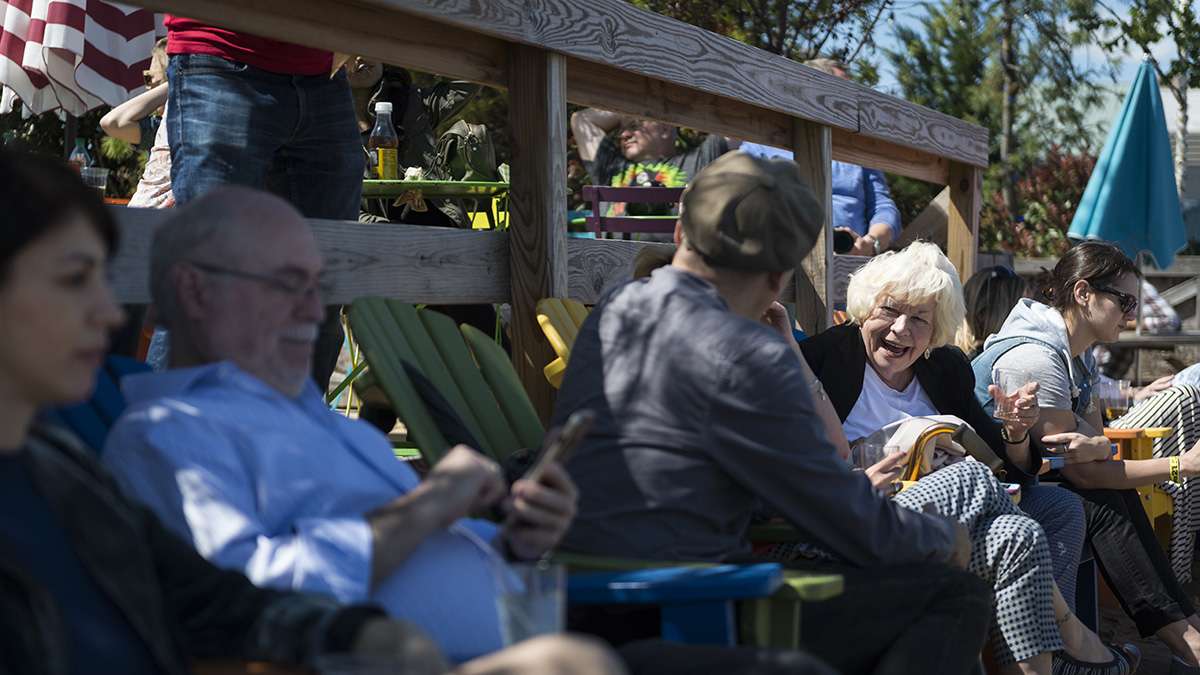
(607, 54)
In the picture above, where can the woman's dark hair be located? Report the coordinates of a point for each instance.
(39, 193)
(990, 295)
(1097, 262)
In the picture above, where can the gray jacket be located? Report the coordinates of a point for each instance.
(703, 416)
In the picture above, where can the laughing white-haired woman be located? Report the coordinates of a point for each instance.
(892, 362)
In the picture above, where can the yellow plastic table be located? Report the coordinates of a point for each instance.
(1139, 444)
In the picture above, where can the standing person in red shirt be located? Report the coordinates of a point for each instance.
(267, 114)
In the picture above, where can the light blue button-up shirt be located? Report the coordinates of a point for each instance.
(278, 487)
(860, 196)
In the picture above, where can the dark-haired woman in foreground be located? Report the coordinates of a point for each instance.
(1091, 293)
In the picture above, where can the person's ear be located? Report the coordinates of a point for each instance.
(192, 291)
(678, 232)
(1081, 292)
(777, 280)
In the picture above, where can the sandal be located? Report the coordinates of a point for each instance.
(1124, 662)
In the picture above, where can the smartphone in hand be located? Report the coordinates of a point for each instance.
(563, 443)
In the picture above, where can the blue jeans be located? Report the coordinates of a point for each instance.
(295, 135)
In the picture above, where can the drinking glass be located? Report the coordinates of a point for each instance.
(95, 177)
(530, 600)
(1115, 399)
(1008, 380)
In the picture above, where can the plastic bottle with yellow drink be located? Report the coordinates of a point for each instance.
(384, 144)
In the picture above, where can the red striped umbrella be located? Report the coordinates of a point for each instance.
(73, 55)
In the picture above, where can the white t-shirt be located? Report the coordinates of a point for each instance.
(879, 405)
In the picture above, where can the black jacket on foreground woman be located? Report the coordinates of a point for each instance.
(838, 358)
(178, 603)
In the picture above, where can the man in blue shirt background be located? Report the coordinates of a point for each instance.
(862, 204)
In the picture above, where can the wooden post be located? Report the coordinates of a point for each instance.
(538, 207)
(812, 148)
(962, 228)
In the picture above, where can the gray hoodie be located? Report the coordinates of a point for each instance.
(1060, 378)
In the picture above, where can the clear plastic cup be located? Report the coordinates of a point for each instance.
(1008, 380)
(530, 600)
(95, 177)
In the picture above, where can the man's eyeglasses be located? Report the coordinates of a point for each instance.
(1128, 302)
(295, 288)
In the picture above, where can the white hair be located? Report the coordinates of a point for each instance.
(917, 274)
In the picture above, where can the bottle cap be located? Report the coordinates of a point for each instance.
(383, 107)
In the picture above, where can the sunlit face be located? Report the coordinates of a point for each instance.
(262, 311)
(645, 139)
(1103, 310)
(896, 334)
(57, 314)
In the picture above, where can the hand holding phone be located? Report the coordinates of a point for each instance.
(562, 443)
(543, 501)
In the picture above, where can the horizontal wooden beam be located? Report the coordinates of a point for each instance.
(915, 126)
(602, 86)
(408, 262)
(397, 38)
(596, 265)
(631, 51)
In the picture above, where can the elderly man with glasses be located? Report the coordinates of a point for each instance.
(236, 450)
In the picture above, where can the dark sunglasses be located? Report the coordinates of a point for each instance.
(1128, 302)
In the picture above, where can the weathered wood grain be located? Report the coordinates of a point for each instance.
(537, 126)
(606, 87)
(401, 39)
(891, 157)
(891, 119)
(962, 227)
(930, 223)
(812, 148)
(616, 33)
(599, 264)
(407, 262)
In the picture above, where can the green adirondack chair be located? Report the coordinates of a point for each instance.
(476, 377)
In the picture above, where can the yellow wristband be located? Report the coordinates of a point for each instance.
(1174, 469)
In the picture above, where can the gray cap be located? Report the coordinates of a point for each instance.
(752, 213)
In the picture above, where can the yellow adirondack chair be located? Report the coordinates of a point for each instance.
(560, 319)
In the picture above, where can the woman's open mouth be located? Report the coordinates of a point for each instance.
(892, 348)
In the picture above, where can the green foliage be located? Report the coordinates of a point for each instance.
(952, 62)
(1136, 25)
(1049, 192)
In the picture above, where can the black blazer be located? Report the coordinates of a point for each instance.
(837, 357)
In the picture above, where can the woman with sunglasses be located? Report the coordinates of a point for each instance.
(1090, 296)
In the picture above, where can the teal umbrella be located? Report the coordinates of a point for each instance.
(1131, 198)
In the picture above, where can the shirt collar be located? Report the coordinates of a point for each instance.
(180, 381)
(684, 278)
